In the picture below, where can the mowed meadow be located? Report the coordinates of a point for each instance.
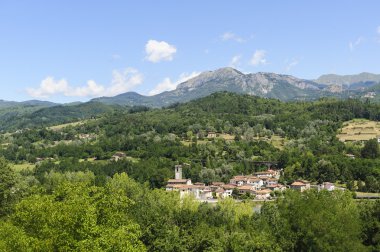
(359, 130)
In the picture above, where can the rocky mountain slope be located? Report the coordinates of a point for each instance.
(271, 85)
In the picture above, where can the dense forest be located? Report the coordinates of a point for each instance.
(76, 198)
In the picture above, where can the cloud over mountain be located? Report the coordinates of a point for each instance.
(122, 81)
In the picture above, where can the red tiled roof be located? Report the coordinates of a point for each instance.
(172, 181)
(298, 183)
(199, 184)
(177, 186)
(255, 179)
(245, 187)
(229, 186)
(263, 192)
(217, 183)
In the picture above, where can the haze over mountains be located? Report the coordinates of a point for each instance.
(349, 80)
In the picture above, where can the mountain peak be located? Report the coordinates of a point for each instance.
(230, 70)
(265, 84)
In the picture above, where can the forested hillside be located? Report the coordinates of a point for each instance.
(13, 118)
(62, 190)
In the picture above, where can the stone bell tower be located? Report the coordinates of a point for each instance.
(178, 172)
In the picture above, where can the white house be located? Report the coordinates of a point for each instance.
(247, 180)
(183, 189)
(257, 183)
(216, 185)
(300, 185)
(221, 193)
(263, 194)
(228, 189)
(211, 134)
(238, 180)
(268, 173)
(276, 187)
(272, 181)
(327, 186)
(246, 189)
(179, 182)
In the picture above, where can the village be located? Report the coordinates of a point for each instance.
(261, 185)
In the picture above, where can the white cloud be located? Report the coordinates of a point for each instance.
(232, 36)
(258, 58)
(378, 30)
(49, 87)
(122, 81)
(157, 51)
(290, 64)
(168, 85)
(165, 85)
(354, 44)
(91, 89)
(235, 61)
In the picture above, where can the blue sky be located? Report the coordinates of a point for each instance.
(69, 50)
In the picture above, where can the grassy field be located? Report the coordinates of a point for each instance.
(278, 142)
(61, 126)
(359, 130)
(227, 137)
(366, 194)
(133, 159)
(22, 167)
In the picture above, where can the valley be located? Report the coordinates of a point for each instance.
(189, 126)
(223, 144)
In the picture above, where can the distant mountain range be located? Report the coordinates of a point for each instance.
(36, 103)
(350, 81)
(15, 115)
(271, 85)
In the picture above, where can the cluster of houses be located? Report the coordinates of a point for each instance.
(259, 185)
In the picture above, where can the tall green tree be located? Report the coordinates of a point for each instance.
(7, 183)
(371, 149)
(320, 221)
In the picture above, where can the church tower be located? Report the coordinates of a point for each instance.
(178, 172)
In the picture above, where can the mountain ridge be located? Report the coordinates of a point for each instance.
(351, 80)
(265, 84)
(271, 85)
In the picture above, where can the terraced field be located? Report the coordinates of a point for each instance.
(359, 130)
